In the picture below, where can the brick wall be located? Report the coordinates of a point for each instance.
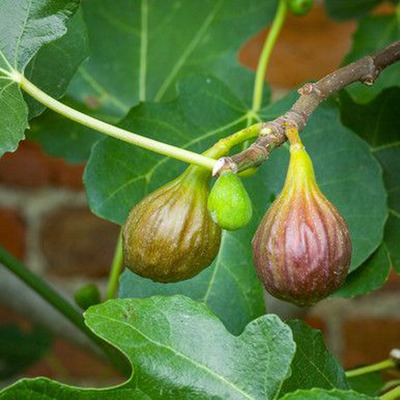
(44, 220)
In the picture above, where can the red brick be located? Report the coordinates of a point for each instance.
(12, 232)
(369, 340)
(316, 323)
(67, 362)
(76, 242)
(308, 48)
(30, 167)
(393, 282)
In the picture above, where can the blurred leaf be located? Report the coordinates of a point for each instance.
(374, 33)
(345, 9)
(320, 394)
(180, 350)
(312, 366)
(369, 384)
(19, 349)
(22, 35)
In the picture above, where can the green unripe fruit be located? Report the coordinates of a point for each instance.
(88, 295)
(300, 7)
(228, 203)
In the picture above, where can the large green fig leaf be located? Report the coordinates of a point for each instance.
(139, 48)
(312, 366)
(377, 122)
(374, 33)
(180, 350)
(26, 26)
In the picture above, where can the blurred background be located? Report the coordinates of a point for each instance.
(45, 222)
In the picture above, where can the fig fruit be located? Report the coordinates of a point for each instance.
(228, 203)
(302, 248)
(300, 7)
(169, 236)
(87, 295)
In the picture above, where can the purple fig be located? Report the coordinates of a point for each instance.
(169, 236)
(302, 248)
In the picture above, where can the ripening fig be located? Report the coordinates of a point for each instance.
(302, 248)
(169, 236)
(229, 204)
(300, 7)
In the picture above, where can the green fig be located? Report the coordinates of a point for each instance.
(169, 236)
(300, 7)
(87, 295)
(302, 248)
(229, 204)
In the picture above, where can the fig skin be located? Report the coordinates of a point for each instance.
(228, 203)
(169, 236)
(302, 248)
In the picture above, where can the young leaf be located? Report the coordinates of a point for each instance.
(312, 366)
(179, 350)
(370, 384)
(26, 26)
(373, 33)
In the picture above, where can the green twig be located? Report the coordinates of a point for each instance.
(392, 394)
(116, 268)
(371, 368)
(62, 305)
(111, 130)
(269, 44)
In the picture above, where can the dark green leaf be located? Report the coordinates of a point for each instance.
(369, 384)
(369, 277)
(139, 48)
(312, 366)
(180, 350)
(378, 123)
(19, 350)
(320, 394)
(374, 33)
(55, 64)
(26, 26)
(345, 9)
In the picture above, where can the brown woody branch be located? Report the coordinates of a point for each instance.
(366, 70)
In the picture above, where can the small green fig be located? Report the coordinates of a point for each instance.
(300, 7)
(169, 236)
(302, 248)
(87, 295)
(229, 204)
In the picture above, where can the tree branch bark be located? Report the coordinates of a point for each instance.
(366, 70)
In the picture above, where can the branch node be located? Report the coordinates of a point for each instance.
(224, 164)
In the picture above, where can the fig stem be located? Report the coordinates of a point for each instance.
(60, 304)
(111, 130)
(265, 56)
(392, 394)
(371, 368)
(294, 138)
(116, 267)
